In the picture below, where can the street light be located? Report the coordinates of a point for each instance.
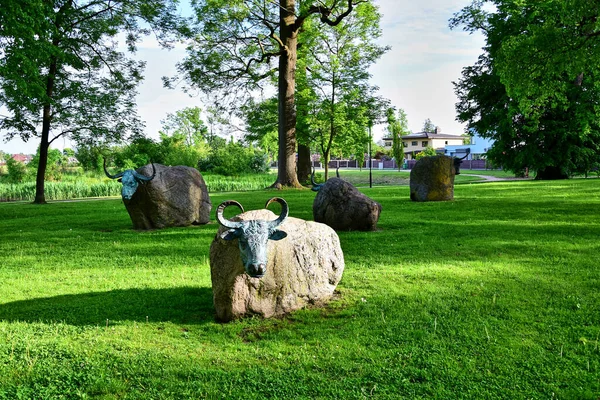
(370, 159)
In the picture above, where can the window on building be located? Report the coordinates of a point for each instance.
(446, 142)
(414, 143)
(404, 144)
(424, 143)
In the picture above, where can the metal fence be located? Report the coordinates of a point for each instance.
(391, 164)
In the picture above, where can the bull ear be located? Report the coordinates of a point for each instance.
(278, 235)
(230, 234)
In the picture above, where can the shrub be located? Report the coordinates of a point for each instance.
(16, 171)
(428, 151)
(234, 159)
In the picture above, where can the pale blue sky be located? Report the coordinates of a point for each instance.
(416, 74)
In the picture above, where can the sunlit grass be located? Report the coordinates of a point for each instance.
(493, 295)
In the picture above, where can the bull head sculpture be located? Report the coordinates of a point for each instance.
(458, 161)
(317, 186)
(253, 235)
(130, 180)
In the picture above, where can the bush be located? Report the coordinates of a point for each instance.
(16, 171)
(428, 151)
(234, 159)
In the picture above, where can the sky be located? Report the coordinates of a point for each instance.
(416, 74)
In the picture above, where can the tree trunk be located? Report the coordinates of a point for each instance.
(304, 163)
(326, 157)
(286, 169)
(40, 196)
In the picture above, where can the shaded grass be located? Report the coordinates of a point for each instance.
(493, 295)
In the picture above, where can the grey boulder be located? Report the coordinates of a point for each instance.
(432, 179)
(344, 208)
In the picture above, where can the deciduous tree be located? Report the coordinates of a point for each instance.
(397, 127)
(237, 44)
(62, 73)
(535, 88)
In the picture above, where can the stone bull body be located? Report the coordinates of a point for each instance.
(168, 196)
(253, 235)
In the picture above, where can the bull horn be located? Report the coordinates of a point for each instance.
(120, 174)
(225, 222)
(284, 210)
(337, 172)
(141, 177)
(312, 178)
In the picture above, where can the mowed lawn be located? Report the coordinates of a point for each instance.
(495, 295)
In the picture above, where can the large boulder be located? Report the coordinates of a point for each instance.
(344, 208)
(177, 196)
(303, 268)
(432, 179)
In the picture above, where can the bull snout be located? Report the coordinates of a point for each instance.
(256, 270)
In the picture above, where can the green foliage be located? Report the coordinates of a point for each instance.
(90, 157)
(61, 69)
(234, 159)
(502, 304)
(186, 124)
(56, 161)
(16, 171)
(397, 127)
(335, 97)
(426, 152)
(534, 90)
(428, 126)
(261, 124)
(240, 46)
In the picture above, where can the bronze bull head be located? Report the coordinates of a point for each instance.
(130, 180)
(253, 235)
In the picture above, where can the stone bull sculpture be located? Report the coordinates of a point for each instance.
(302, 269)
(130, 180)
(317, 186)
(168, 196)
(253, 235)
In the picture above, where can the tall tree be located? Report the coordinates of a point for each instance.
(236, 44)
(61, 72)
(397, 127)
(337, 64)
(428, 126)
(187, 123)
(535, 88)
(261, 124)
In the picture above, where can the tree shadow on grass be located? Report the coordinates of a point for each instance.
(182, 305)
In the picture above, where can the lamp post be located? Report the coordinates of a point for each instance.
(370, 159)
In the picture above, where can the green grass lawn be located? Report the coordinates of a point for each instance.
(495, 295)
(391, 177)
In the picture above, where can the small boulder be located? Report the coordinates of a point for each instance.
(303, 268)
(432, 179)
(177, 196)
(344, 208)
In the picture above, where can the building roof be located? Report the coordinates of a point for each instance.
(429, 135)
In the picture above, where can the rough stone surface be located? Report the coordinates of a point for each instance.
(177, 196)
(304, 268)
(344, 208)
(432, 179)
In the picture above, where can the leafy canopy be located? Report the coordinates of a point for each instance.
(535, 89)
